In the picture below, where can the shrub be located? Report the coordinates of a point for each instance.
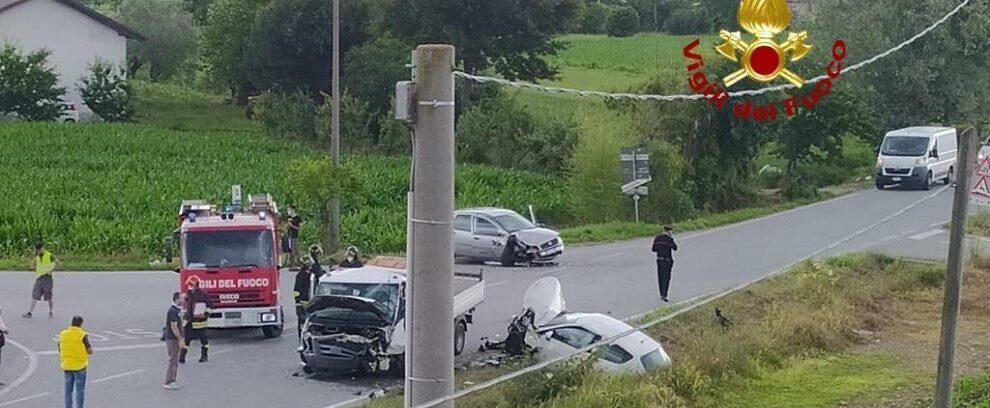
(289, 116)
(592, 17)
(499, 132)
(685, 21)
(107, 92)
(622, 21)
(357, 123)
(28, 86)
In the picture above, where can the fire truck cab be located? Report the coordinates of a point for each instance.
(235, 255)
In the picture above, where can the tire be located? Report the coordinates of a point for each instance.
(272, 332)
(879, 185)
(927, 184)
(948, 177)
(460, 337)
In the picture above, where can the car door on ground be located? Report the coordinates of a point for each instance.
(487, 240)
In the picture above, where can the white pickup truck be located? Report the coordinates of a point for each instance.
(356, 318)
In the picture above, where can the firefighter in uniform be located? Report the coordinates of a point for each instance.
(196, 322)
(301, 292)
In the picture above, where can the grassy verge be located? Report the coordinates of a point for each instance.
(796, 340)
(978, 224)
(618, 231)
(89, 262)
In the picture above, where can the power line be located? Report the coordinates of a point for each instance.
(680, 97)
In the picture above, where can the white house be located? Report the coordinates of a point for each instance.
(75, 34)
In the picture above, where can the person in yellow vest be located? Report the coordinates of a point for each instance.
(74, 350)
(44, 263)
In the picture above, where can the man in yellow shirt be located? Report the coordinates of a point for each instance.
(74, 351)
(44, 263)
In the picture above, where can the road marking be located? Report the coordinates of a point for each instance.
(117, 348)
(924, 235)
(492, 285)
(121, 375)
(32, 366)
(888, 238)
(27, 398)
(770, 216)
(940, 223)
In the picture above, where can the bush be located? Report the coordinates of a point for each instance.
(357, 122)
(372, 70)
(28, 86)
(499, 132)
(107, 93)
(289, 116)
(592, 17)
(170, 36)
(685, 21)
(622, 21)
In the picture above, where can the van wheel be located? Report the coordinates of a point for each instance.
(460, 337)
(927, 184)
(948, 177)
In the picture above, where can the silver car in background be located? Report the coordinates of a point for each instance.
(481, 234)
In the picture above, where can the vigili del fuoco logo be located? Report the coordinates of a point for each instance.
(763, 59)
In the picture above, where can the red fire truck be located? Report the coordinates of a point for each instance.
(235, 254)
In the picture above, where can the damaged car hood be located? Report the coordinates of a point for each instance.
(336, 306)
(536, 236)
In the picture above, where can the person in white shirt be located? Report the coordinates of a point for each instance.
(3, 334)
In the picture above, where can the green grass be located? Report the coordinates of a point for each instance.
(978, 224)
(973, 391)
(643, 55)
(822, 382)
(174, 107)
(618, 231)
(91, 262)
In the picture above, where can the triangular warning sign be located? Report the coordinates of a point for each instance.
(983, 168)
(982, 187)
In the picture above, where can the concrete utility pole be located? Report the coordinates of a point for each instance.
(953, 283)
(335, 132)
(430, 305)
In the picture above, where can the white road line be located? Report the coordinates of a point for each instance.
(888, 238)
(32, 366)
(114, 377)
(769, 216)
(27, 398)
(925, 235)
(940, 223)
(492, 285)
(117, 348)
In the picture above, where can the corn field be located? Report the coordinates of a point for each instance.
(115, 189)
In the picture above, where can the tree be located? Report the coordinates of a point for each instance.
(199, 9)
(107, 92)
(372, 69)
(28, 86)
(224, 44)
(170, 36)
(510, 36)
(591, 18)
(291, 43)
(622, 22)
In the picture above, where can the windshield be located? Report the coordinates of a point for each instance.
(215, 249)
(904, 146)
(513, 222)
(386, 295)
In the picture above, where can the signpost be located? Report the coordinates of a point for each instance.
(636, 173)
(235, 196)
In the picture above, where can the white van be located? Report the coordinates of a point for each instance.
(917, 156)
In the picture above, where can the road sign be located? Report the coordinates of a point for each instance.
(635, 164)
(636, 187)
(235, 196)
(980, 192)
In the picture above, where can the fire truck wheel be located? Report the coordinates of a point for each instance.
(272, 332)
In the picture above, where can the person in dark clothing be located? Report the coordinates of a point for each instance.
(352, 258)
(301, 292)
(295, 223)
(663, 246)
(174, 343)
(316, 269)
(198, 305)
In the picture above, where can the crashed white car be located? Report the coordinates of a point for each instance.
(560, 333)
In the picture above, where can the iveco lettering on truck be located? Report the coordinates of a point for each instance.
(235, 255)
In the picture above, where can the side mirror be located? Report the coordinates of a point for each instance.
(876, 150)
(933, 154)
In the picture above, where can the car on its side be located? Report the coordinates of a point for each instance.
(482, 235)
(560, 333)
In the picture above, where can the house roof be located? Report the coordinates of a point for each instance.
(88, 11)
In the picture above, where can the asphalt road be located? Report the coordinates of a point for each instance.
(124, 311)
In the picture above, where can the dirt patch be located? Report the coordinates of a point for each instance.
(913, 336)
